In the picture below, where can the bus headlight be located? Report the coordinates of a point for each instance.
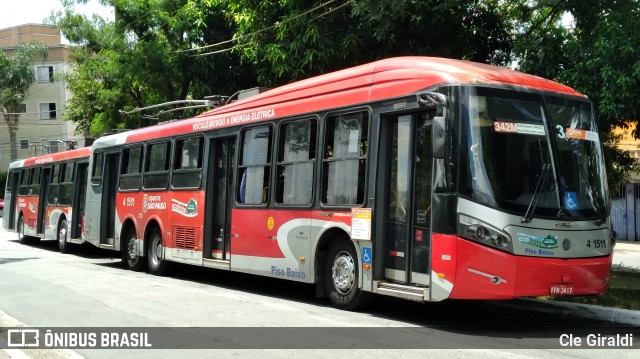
(478, 231)
(499, 240)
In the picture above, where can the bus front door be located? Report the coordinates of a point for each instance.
(217, 244)
(409, 164)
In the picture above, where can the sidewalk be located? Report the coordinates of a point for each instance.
(626, 256)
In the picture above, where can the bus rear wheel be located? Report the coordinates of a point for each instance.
(155, 254)
(342, 277)
(130, 253)
(63, 245)
(22, 239)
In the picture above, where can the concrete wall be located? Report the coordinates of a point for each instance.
(35, 129)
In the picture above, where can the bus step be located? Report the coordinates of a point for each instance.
(216, 263)
(410, 292)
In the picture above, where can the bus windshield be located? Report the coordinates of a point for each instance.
(529, 151)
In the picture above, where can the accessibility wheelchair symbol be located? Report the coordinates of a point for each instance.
(366, 255)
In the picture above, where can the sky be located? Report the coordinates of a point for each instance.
(19, 12)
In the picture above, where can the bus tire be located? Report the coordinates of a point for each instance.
(342, 277)
(62, 237)
(155, 255)
(22, 239)
(130, 254)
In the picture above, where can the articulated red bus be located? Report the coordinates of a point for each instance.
(45, 197)
(419, 178)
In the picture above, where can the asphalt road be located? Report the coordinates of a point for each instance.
(246, 315)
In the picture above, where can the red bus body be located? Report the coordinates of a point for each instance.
(435, 255)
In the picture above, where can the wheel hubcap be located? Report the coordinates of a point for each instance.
(156, 252)
(343, 272)
(132, 248)
(62, 236)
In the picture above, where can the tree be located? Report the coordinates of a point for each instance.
(16, 76)
(137, 60)
(598, 55)
(292, 39)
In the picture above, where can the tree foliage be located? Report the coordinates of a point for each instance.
(291, 39)
(599, 55)
(137, 60)
(16, 76)
(160, 50)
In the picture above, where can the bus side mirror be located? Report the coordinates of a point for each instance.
(439, 138)
(439, 129)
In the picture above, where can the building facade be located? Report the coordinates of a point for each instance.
(42, 129)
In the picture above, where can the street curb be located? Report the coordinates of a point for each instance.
(622, 268)
(7, 321)
(588, 311)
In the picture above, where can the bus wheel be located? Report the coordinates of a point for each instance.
(342, 277)
(130, 253)
(63, 245)
(22, 239)
(157, 265)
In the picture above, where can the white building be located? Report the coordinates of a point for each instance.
(42, 129)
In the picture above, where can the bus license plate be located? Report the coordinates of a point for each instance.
(560, 289)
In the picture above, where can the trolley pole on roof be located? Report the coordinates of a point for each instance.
(209, 101)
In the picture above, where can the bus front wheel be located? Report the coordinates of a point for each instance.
(342, 277)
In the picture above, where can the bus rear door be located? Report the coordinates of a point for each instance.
(217, 244)
(12, 202)
(79, 195)
(45, 179)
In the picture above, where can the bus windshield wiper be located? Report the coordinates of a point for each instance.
(528, 215)
(593, 194)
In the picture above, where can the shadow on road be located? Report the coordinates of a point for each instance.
(468, 319)
(15, 260)
(85, 250)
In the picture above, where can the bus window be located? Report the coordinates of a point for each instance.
(68, 172)
(54, 187)
(23, 190)
(296, 156)
(96, 172)
(34, 183)
(157, 165)
(187, 166)
(9, 183)
(345, 154)
(66, 184)
(254, 166)
(130, 172)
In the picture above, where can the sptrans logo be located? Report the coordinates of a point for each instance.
(189, 209)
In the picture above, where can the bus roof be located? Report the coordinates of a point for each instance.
(389, 78)
(83, 152)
